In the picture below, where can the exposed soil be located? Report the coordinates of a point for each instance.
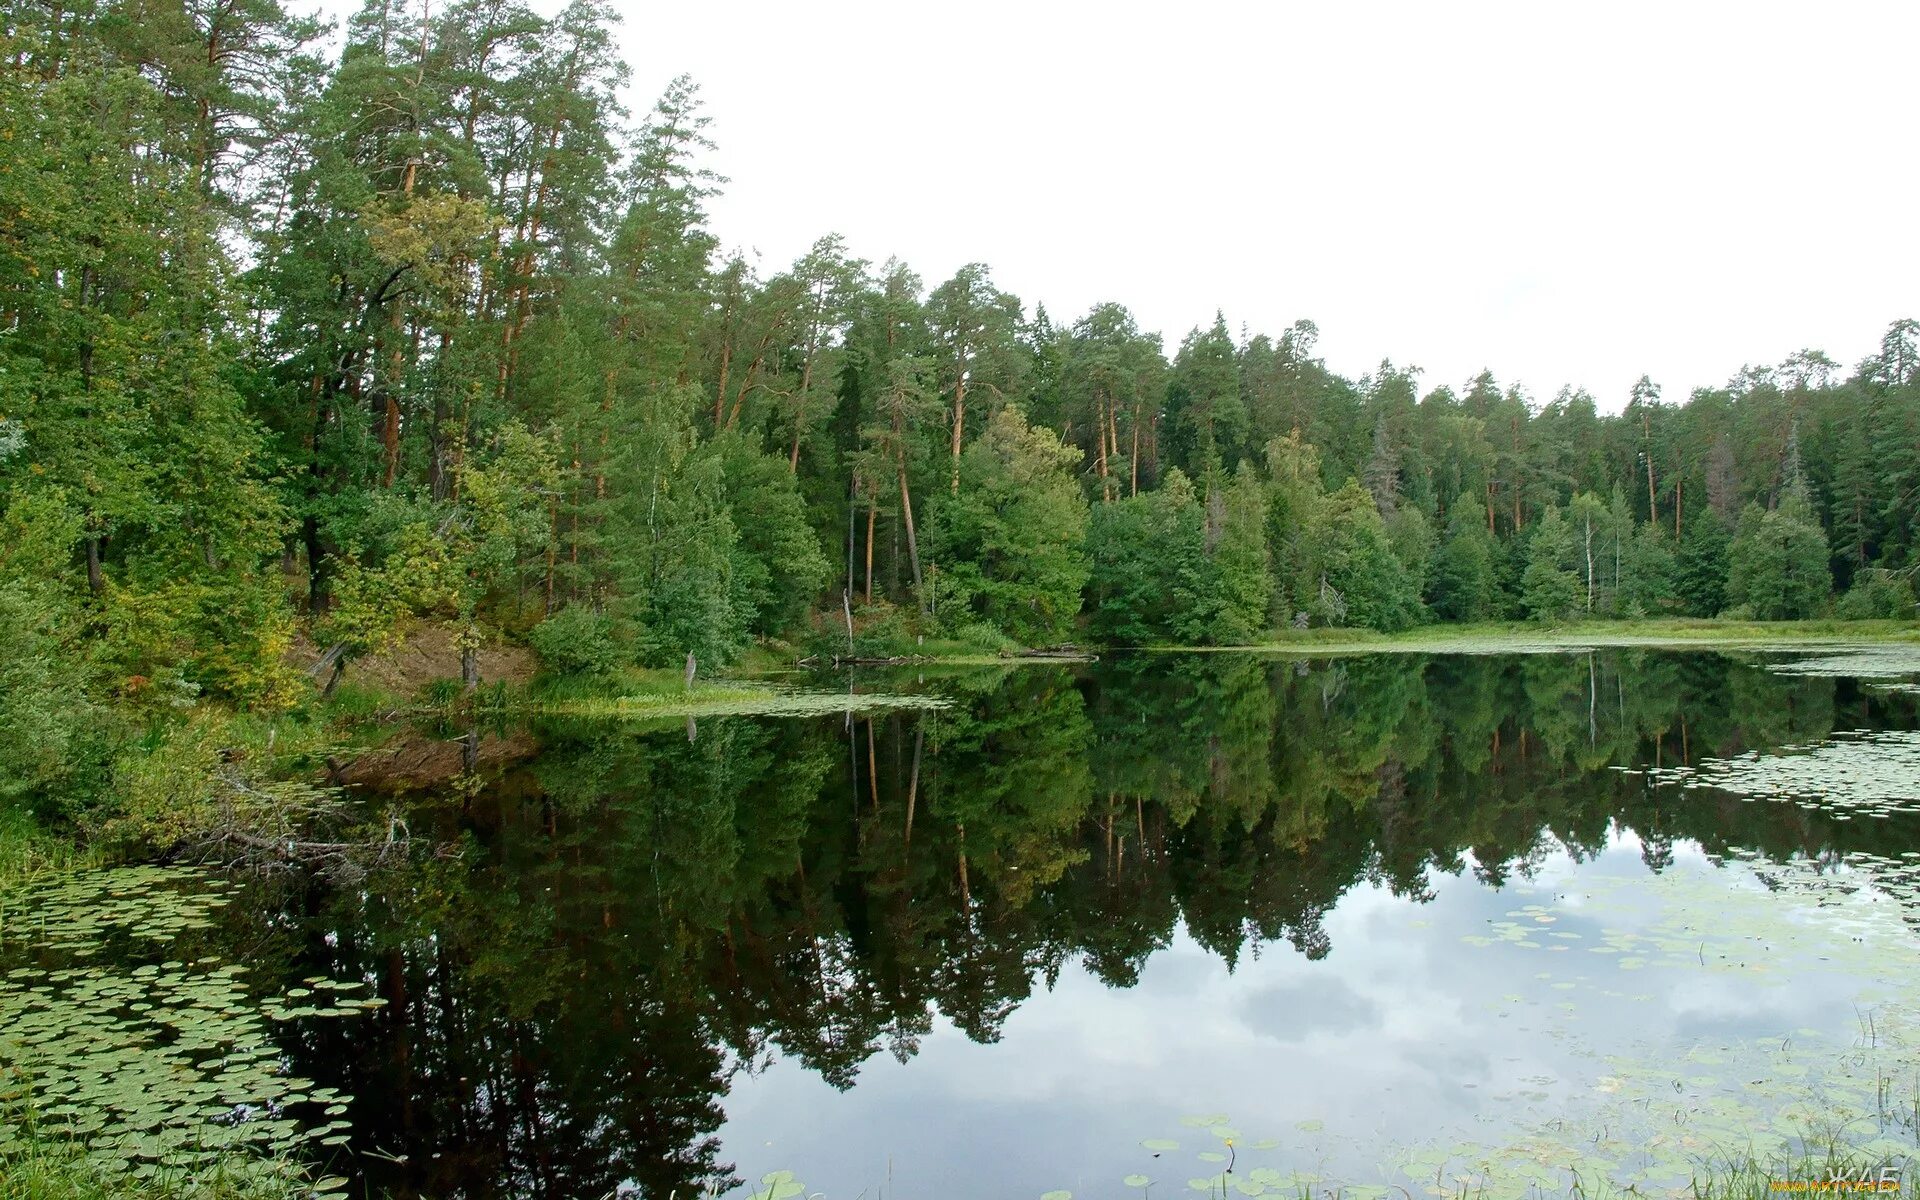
(423, 654)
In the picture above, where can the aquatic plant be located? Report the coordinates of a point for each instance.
(116, 1035)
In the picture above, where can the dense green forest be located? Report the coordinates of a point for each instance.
(305, 338)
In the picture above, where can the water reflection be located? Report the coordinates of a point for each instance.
(644, 938)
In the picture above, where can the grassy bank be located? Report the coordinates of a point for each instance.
(653, 695)
(38, 1169)
(1530, 637)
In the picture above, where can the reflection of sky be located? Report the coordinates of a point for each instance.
(1403, 1034)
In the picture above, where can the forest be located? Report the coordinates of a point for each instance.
(307, 336)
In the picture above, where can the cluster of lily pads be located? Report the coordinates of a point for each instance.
(1890, 665)
(1851, 775)
(117, 1036)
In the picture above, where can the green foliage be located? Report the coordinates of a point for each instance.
(1877, 594)
(1650, 583)
(1012, 542)
(577, 641)
(1462, 585)
(1133, 544)
(1549, 589)
(44, 705)
(1294, 500)
(1242, 561)
(1169, 568)
(1364, 583)
(777, 566)
(1700, 568)
(1777, 565)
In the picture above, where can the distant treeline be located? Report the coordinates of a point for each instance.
(298, 344)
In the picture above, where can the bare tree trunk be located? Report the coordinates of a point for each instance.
(913, 542)
(1589, 545)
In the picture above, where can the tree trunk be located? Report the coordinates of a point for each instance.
(390, 429)
(959, 428)
(470, 659)
(853, 506)
(1589, 546)
(872, 509)
(799, 411)
(913, 781)
(553, 547)
(1653, 509)
(913, 541)
(96, 579)
(1133, 465)
(1100, 420)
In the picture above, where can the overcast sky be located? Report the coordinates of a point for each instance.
(1566, 195)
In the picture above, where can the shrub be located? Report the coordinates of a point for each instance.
(577, 641)
(1877, 594)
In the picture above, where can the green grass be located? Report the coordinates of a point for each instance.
(58, 1169)
(1523, 636)
(29, 853)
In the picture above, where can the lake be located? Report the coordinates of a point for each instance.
(1160, 924)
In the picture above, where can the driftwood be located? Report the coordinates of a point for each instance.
(279, 826)
(1063, 653)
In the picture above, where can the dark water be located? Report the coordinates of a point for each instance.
(1389, 919)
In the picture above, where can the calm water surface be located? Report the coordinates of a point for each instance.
(1113, 929)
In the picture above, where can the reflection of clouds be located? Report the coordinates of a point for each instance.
(1405, 1033)
(1296, 1010)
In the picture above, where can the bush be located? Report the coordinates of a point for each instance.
(985, 637)
(1877, 594)
(577, 641)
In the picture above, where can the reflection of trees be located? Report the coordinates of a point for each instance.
(638, 916)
